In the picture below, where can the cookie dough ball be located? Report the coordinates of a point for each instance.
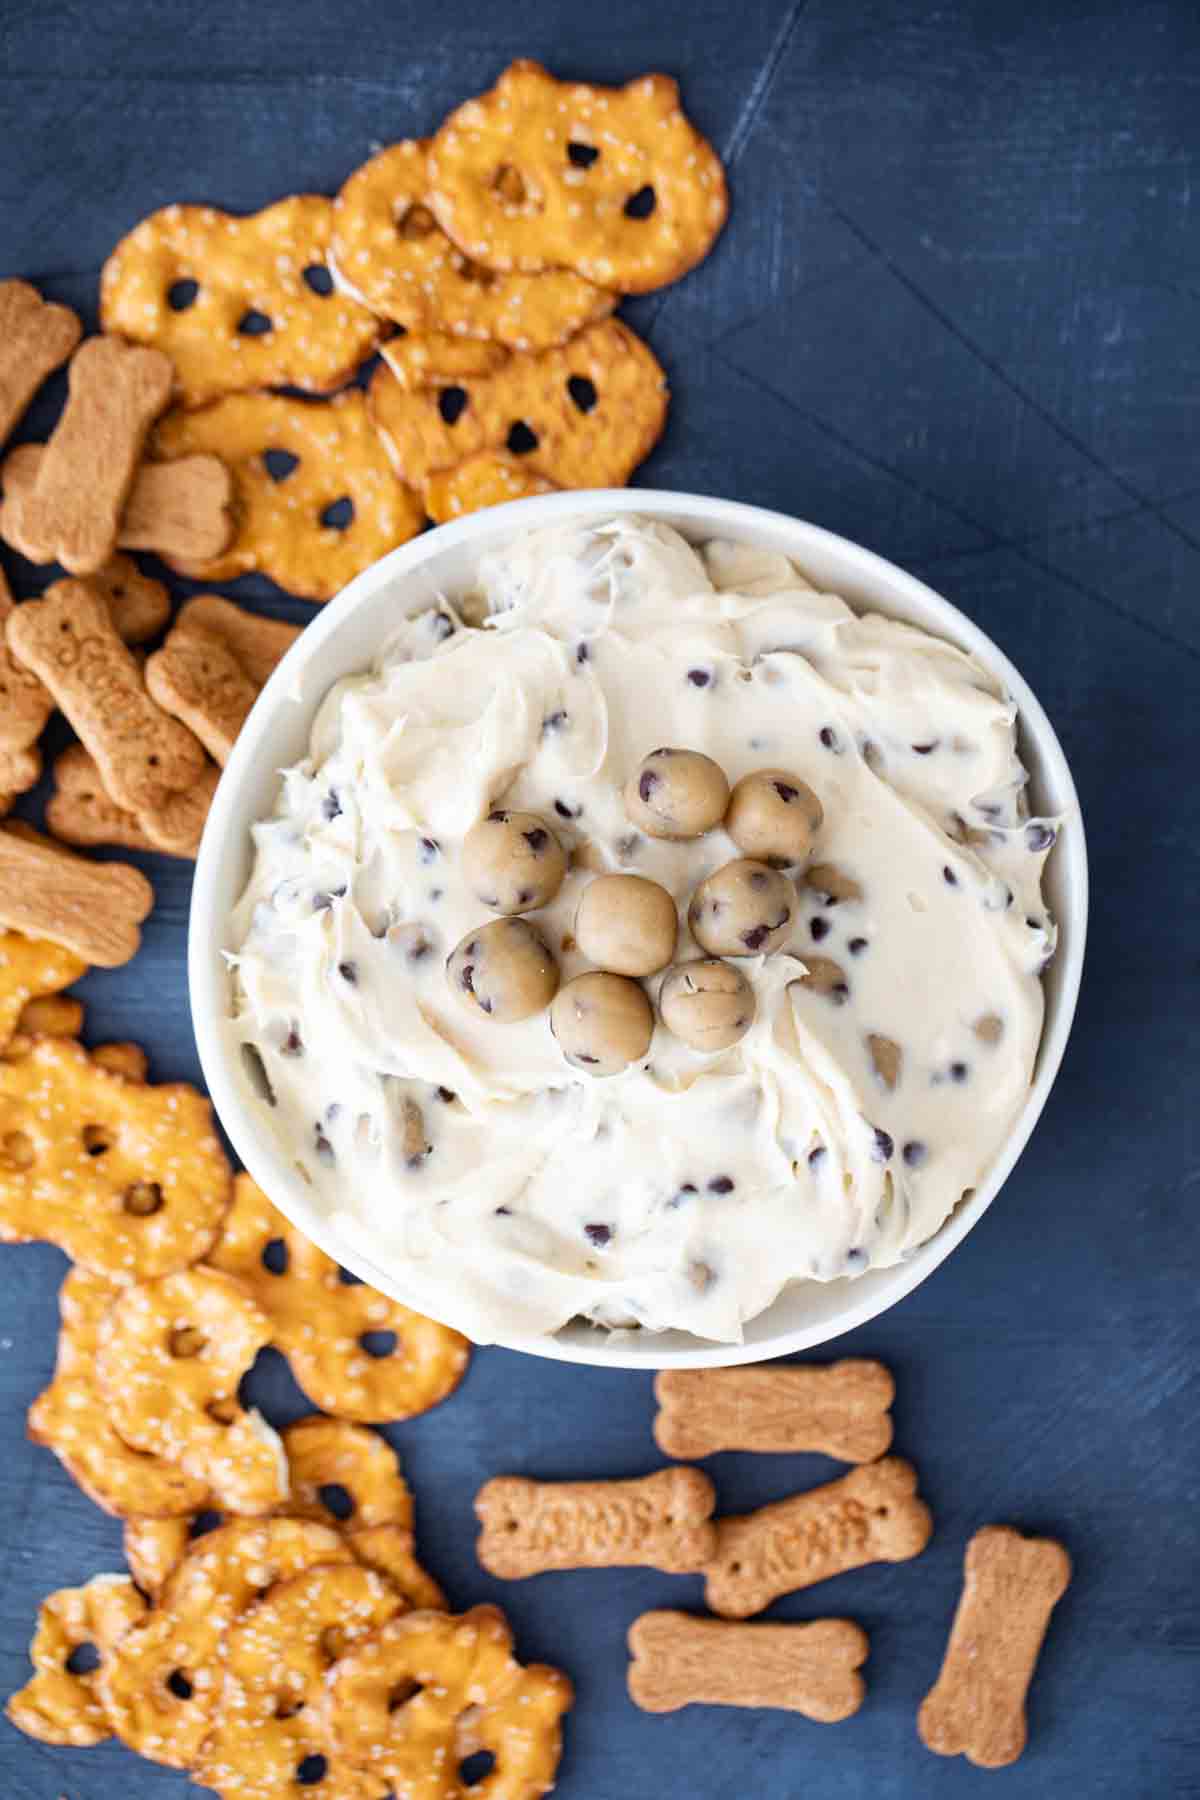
(709, 1004)
(513, 862)
(676, 794)
(504, 970)
(742, 909)
(627, 924)
(602, 1022)
(773, 816)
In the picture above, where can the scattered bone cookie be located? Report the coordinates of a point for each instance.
(976, 1708)
(472, 1696)
(488, 478)
(30, 968)
(276, 1660)
(613, 182)
(181, 508)
(258, 644)
(72, 513)
(61, 1704)
(140, 606)
(69, 641)
(355, 1353)
(299, 470)
(176, 825)
(172, 1353)
(80, 812)
(129, 1180)
(161, 1683)
(870, 1515)
(356, 1469)
(662, 1521)
(93, 909)
(840, 1409)
(197, 680)
(25, 704)
(238, 302)
(71, 1418)
(581, 416)
(35, 337)
(389, 252)
(812, 1669)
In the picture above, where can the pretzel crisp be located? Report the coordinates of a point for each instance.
(391, 1550)
(93, 909)
(30, 968)
(181, 508)
(870, 1515)
(389, 252)
(434, 359)
(840, 1409)
(71, 1417)
(35, 337)
(162, 1682)
(662, 1521)
(406, 1364)
(488, 478)
(277, 1658)
(679, 1661)
(468, 1693)
(976, 1708)
(72, 513)
(129, 1180)
(172, 1353)
(325, 454)
(331, 1457)
(581, 416)
(60, 1706)
(613, 182)
(238, 302)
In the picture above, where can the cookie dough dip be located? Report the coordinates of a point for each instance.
(645, 932)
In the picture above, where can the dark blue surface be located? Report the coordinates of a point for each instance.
(956, 315)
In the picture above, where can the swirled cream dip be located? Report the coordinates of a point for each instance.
(896, 1029)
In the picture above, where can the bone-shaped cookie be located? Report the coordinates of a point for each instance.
(72, 513)
(25, 704)
(661, 1521)
(80, 812)
(69, 641)
(35, 337)
(840, 1408)
(258, 644)
(197, 680)
(976, 1707)
(91, 908)
(870, 1515)
(679, 1661)
(182, 508)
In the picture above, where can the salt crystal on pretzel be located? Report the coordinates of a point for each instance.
(489, 478)
(60, 1705)
(613, 182)
(812, 1669)
(35, 337)
(72, 512)
(238, 302)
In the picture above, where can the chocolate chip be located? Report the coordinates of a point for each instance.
(925, 749)
(598, 1235)
(292, 1045)
(504, 1212)
(537, 839)
(914, 1153)
(958, 1071)
(447, 1096)
(721, 1184)
(429, 850)
(567, 812)
(856, 946)
(1039, 837)
(627, 846)
(948, 876)
(829, 738)
(497, 815)
(787, 793)
(699, 677)
(817, 1157)
(348, 972)
(322, 1145)
(700, 1275)
(553, 723)
(331, 806)
(882, 1146)
(582, 653)
(855, 1259)
(756, 937)
(819, 928)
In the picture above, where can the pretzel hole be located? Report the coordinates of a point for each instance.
(16, 1150)
(185, 1340)
(349, 1279)
(256, 324)
(451, 402)
(182, 294)
(319, 279)
(83, 1660)
(339, 516)
(582, 155)
(582, 392)
(509, 185)
(287, 1706)
(378, 1343)
(476, 1768)
(415, 223)
(401, 1694)
(333, 1643)
(222, 1412)
(641, 204)
(336, 1500)
(311, 1770)
(203, 1523)
(143, 1199)
(275, 1257)
(279, 464)
(179, 1685)
(521, 440)
(473, 271)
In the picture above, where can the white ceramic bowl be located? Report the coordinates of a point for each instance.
(345, 637)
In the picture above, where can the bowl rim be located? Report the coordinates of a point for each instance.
(207, 982)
